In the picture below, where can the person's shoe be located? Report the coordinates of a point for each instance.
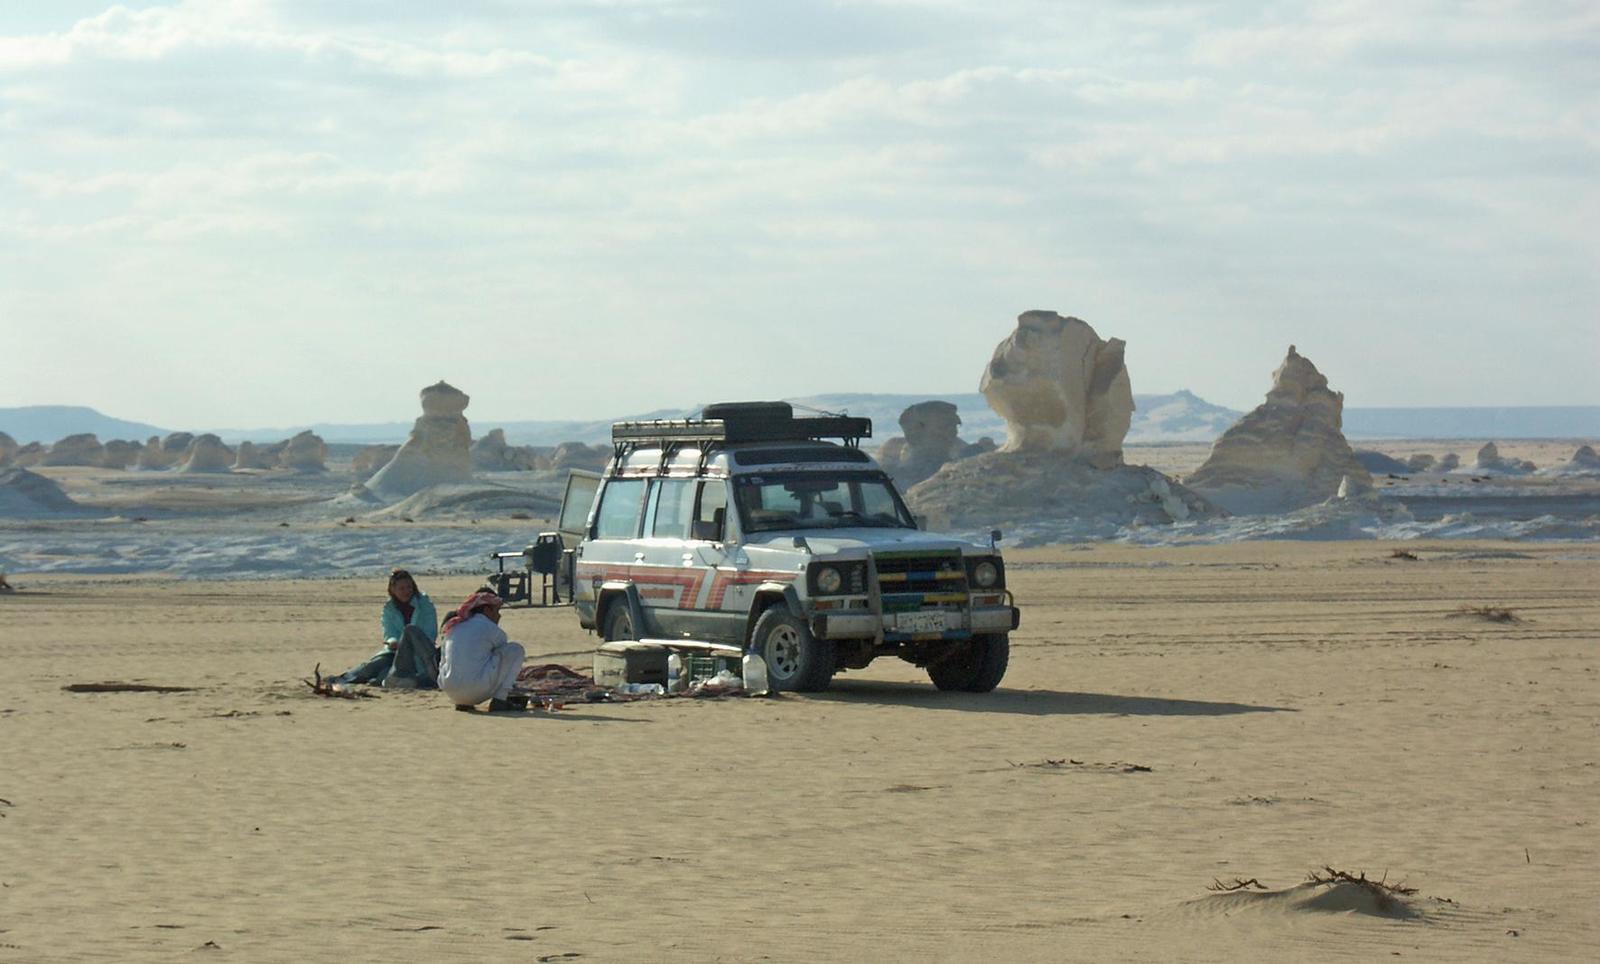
(505, 706)
(465, 707)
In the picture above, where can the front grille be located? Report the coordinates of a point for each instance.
(921, 580)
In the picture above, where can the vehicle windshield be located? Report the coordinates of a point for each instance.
(816, 500)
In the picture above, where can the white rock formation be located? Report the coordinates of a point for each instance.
(371, 459)
(1449, 462)
(931, 439)
(1061, 388)
(207, 454)
(8, 449)
(120, 454)
(491, 454)
(250, 456)
(306, 452)
(1421, 462)
(576, 455)
(437, 451)
(1490, 462)
(1288, 453)
(31, 454)
(26, 495)
(1584, 462)
(84, 449)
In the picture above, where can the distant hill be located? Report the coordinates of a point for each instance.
(52, 423)
(1570, 421)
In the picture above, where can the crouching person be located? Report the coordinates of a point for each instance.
(479, 662)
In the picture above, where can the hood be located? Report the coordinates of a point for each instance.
(866, 539)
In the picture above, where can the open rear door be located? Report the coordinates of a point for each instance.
(575, 505)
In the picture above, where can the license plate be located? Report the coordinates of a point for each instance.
(920, 623)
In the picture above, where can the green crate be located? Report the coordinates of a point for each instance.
(705, 667)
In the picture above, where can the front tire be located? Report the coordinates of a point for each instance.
(976, 667)
(796, 660)
(619, 620)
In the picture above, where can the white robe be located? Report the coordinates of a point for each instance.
(479, 662)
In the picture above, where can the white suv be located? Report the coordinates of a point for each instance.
(748, 527)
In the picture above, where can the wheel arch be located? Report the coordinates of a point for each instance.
(618, 593)
(767, 595)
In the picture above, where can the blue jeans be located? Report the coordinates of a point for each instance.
(414, 657)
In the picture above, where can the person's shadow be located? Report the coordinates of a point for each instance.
(1028, 702)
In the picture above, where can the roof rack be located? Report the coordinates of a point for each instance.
(732, 422)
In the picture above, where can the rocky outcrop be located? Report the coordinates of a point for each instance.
(576, 455)
(931, 439)
(31, 454)
(1490, 462)
(164, 453)
(1378, 463)
(1421, 463)
(250, 456)
(1290, 452)
(1062, 389)
(306, 452)
(83, 449)
(25, 495)
(8, 449)
(1449, 462)
(370, 459)
(207, 454)
(1584, 462)
(491, 454)
(437, 451)
(120, 454)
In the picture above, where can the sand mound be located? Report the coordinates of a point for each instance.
(1380, 464)
(462, 500)
(1341, 895)
(27, 495)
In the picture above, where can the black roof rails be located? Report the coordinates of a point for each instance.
(745, 422)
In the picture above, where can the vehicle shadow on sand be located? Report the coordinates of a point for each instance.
(1028, 702)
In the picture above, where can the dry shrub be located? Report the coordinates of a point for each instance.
(1384, 894)
(1490, 614)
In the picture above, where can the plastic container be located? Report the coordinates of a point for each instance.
(755, 674)
(676, 681)
(642, 689)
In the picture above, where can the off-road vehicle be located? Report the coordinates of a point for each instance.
(775, 533)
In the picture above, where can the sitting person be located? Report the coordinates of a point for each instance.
(409, 659)
(480, 662)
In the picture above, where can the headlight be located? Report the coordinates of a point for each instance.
(985, 574)
(828, 580)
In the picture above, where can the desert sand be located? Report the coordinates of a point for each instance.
(1297, 706)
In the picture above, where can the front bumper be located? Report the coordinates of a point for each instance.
(955, 624)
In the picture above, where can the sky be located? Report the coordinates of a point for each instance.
(268, 212)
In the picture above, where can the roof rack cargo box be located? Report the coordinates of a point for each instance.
(746, 422)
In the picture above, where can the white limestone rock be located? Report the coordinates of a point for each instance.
(1290, 452)
(1061, 388)
(576, 455)
(207, 454)
(1449, 462)
(8, 449)
(305, 453)
(31, 454)
(370, 459)
(932, 438)
(491, 454)
(1421, 462)
(1584, 463)
(250, 456)
(437, 451)
(83, 449)
(120, 454)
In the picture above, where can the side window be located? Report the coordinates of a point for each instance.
(619, 509)
(711, 514)
(674, 505)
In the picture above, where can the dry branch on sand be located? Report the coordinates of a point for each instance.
(1384, 894)
(1219, 887)
(6, 586)
(1406, 554)
(1491, 614)
(325, 686)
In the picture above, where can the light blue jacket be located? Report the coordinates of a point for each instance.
(423, 617)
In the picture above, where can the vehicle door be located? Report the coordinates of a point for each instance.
(667, 570)
(612, 547)
(577, 506)
(711, 547)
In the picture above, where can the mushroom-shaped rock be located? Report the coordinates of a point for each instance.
(8, 449)
(83, 449)
(120, 454)
(1488, 457)
(437, 451)
(178, 442)
(1290, 452)
(306, 452)
(250, 456)
(207, 454)
(154, 455)
(1061, 388)
(1584, 462)
(931, 439)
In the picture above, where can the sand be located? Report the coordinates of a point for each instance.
(1296, 705)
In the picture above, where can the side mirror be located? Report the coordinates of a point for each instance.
(994, 538)
(705, 531)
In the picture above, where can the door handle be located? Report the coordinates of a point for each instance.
(638, 557)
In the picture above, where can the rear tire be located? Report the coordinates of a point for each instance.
(619, 621)
(796, 660)
(976, 667)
